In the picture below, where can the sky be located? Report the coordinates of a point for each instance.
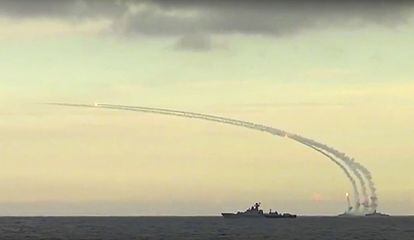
(338, 72)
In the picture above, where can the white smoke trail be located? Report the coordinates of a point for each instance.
(345, 170)
(354, 166)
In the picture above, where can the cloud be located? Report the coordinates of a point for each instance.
(67, 9)
(195, 42)
(193, 21)
(274, 18)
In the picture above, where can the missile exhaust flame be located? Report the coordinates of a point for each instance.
(348, 202)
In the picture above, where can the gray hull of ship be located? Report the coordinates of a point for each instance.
(234, 215)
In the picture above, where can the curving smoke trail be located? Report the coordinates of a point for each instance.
(356, 168)
(319, 147)
(345, 170)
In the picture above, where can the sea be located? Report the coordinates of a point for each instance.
(317, 228)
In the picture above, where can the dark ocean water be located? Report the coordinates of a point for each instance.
(396, 228)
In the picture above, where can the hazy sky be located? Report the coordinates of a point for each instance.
(337, 72)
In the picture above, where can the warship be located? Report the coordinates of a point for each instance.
(349, 212)
(376, 214)
(255, 212)
(373, 214)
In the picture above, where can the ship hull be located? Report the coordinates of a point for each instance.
(279, 216)
(372, 215)
(234, 215)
